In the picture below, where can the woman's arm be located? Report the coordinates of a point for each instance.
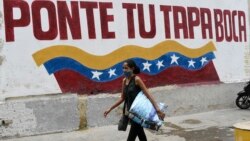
(117, 103)
(149, 96)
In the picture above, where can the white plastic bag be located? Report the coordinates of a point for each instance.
(143, 112)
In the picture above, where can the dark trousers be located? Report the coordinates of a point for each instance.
(136, 130)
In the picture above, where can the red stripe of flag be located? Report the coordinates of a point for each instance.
(73, 82)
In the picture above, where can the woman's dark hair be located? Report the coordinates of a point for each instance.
(131, 63)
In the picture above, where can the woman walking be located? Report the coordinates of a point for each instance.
(131, 86)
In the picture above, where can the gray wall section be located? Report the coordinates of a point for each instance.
(180, 100)
(39, 115)
(199, 98)
(35, 115)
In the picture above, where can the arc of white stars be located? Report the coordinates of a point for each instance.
(96, 74)
(112, 73)
(191, 63)
(146, 66)
(203, 60)
(174, 59)
(160, 64)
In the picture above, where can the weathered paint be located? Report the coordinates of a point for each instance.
(247, 52)
(1, 39)
(82, 46)
(39, 115)
(82, 107)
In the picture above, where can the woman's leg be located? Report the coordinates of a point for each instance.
(135, 130)
(141, 133)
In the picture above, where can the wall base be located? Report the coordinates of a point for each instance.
(35, 115)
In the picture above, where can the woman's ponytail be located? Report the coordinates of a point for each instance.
(136, 70)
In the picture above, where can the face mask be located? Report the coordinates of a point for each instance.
(128, 73)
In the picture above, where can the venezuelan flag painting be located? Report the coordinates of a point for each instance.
(166, 63)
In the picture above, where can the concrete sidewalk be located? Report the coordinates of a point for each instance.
(209, 126)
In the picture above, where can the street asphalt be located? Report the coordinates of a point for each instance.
(209, 126)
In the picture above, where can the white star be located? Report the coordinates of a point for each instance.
(112, 72)
(146, 66)
(191, 63)
(160, 64)
(96, 74)
(174, 59)
(203, 60)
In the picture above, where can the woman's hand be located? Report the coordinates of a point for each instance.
(161, 114)
(106, 112)
(118, 102)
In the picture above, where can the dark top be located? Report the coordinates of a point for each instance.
(131, 90)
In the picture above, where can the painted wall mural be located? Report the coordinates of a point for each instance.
(165, 63)
(73, 46)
